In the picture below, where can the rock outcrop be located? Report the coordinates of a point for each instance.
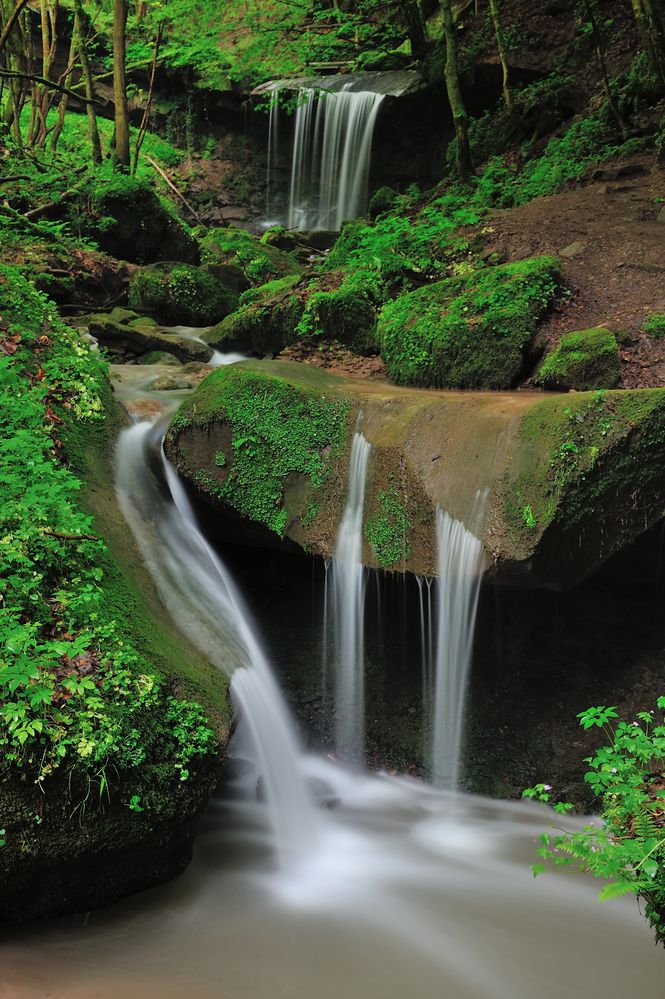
(571, 479)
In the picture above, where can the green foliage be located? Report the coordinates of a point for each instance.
(347, 313)
(181, 294)
(387, 529)
(277, 430)
(627, 774)
(74, 694)
(582, 360)
(260, 261)
(468, 332)
(654, 324)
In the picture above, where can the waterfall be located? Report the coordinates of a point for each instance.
(460, 563)
(203, 601)
(331, 157)
(347, 604)
(273, 147)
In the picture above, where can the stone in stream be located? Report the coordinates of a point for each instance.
(132, 341)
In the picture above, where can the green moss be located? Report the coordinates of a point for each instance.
(260, 261)
(584, 359)
(387, 529)
(180, 294)
(382, 201)
(654, 324)
(265, 322)
(347, 313)
(277, 430)
(578, 453)
(129, 220)
(468, 332)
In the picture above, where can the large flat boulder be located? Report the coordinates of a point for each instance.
(571, 479)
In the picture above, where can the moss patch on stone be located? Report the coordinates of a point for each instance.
(276, 430)
(179, 294)
(260, 261)
(468, 332)
(264, 323)
(387, 529)
(343, 307)
(582, 360)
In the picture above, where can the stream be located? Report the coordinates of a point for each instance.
(330, 881)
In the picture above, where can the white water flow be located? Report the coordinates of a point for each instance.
(273, 147)
(331, 157)
(460, 563)
(347, 580)
(204, 603)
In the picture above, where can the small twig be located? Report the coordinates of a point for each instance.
(175, 190)
(68, 537)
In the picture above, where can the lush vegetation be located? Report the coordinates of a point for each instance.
(627, 847)
(74, 693)
(277, 430)
(387, 529)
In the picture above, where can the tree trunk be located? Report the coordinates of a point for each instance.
(611, 103)
(501, 48)
(650, 25)
(415, 26)
(122, 153)
(145, 121)
(66, 80)
(460, 119)
(86, 72)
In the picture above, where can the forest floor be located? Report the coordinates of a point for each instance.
(610, 237)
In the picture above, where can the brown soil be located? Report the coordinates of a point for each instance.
(337, 359)
(612, 248)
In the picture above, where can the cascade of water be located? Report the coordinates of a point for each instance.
(460, 561)
(204, 603)
(347, 581)
(331, 156)
(273, 146)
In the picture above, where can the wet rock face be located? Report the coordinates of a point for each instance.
(571, 479)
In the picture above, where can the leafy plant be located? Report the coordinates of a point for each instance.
(627, 848)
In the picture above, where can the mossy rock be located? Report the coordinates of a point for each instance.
(122, 340)
(654, 324)
(259, 261)
(382, 201)
(280, 237)
(582, 360)
(265, 323)
(245, 436)
(181, 295)
(343, 308)
(468, 332)
(119, 315)
(161, 357)
(126, 218)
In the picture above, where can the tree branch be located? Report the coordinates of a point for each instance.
(11, 74)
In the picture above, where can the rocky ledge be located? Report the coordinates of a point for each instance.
(571, 478)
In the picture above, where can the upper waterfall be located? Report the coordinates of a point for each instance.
(331, 157)
(331, 149)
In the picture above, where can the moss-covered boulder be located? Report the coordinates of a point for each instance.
(245, 434)
(126, 218)
(125, 341)
(181, 295)
(582, 360)
(266, 321)
(382, 201)
(259, 260)
(468, 332)
(571, 479)
(345, 308)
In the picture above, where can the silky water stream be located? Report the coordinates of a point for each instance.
(396, 889)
